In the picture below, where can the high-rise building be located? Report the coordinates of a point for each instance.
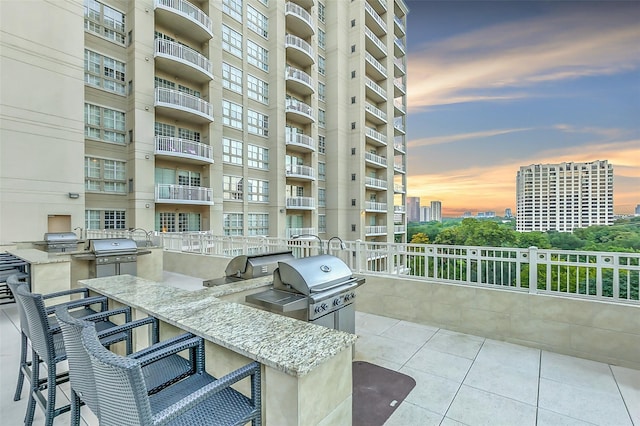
(507, 212)
(436, 211)
(425, 214)
(564, 196)
(242, 117)
(413, 209)
(637, 211)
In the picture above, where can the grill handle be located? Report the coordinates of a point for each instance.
(320, 288)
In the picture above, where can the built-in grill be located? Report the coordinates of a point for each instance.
(113, 256)
(246, 267)
(319, 289)
(59, 242)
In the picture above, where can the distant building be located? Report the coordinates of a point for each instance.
(507, 213)
(425, 214)
(489, 214)
(564, 196)
(413, 209)
(637, 213)
(480, 215)
(466, 214)
(436, 211)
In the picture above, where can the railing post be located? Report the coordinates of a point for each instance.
(358, 256)
(533, 269)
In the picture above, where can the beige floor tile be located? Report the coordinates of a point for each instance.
(410, 332)
(577, 372)
(373, 324)
(476, 407)
(411, 414)
(463, 345)
(384, 348)
(510, 355)
(505, 381)
(629, 383)
(432, 393)
(440, 364)
(549, 418)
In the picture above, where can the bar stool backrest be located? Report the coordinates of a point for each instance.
(38, 324)
(14, 283)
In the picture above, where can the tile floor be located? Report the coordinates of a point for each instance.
(460, 379)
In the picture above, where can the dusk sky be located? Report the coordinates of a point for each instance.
(496, 85)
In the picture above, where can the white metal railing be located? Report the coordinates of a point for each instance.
(300, 171)
(400, 64)
(298, 106)
(398, 188)
(183, 54)
(374, 38)
(383, 4)
(375, 158)
(375, 206)
(173, 146)
(373, 133)
(399, 23)
(398, 167)
(399, 209)
(375, 111)
(301, 76)
(301, 202)
(189, 11)
(399, 105)
(399, 83)
(375, 182)
(295, 41)
(605, 276)
(399, 229)
(175, 98)
(376, 64)
(375, 16)
(399, 143)
(300, 140)
(375, 230)
(375, 87)
(398, 123)
(291, 7)
(166, 192)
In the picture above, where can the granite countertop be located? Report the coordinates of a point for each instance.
(35, 256)
(288, 345)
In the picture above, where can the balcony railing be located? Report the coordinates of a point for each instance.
(293, 105)
(375, 87)
(399, 144)
(398, 167)
(399, 63)
(376, 41)
(375, 16)
(399, 229)
(375, 230)
(183, 148)
(375, 182)
(291, 40)
(292, 8)
(301, 140)
(399, 209)
(301, 171)
(292, 232)
(398, 123)
(376, 135)
(399, 23)
(183, 194)
(183, 101)
(375, 206)
(376, 64)
(398, 188)
(305, 203)
(376, 111)
(188, 11)
(399, 83)
(299, 75)
(400, 45)
(399, 105)
(375, 158)
(184, 54)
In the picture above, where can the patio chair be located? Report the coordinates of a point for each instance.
(197, 400)
(159, 371)
(48, 348)
(84, 304)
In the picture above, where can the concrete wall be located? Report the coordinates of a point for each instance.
(195, 265)
(601, 331)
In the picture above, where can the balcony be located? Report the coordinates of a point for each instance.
(301, 203)
(399, 188)
(183, 194)
(182, 61)
(375, 114)
(374, 137)
(374, 45)
(375, 230)
(292, 232)
(399, 146)
(374, 206)
(375, 183)
(191, 151)
(183, 106)
(375, 91)
(399, 67)
(399, 107)
(298, 20)
(299, 81)
(300, 172)
(380, 6)
(375, 160)
(398, 125)
(398, 27)
(374, 21)
(300, 142)
(299, 111)
(298, 50)
(399, 168)
(399, 47)
(184, 18)
(399, 87)
(374, 68)
(399, 209)
(399, 229)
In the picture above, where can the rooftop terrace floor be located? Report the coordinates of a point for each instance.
(461, 379)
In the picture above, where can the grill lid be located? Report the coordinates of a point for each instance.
(107, 246)
(60, 237)
(247, 267)
(314, 274)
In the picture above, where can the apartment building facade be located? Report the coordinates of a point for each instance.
(564, 196)
(239, 117)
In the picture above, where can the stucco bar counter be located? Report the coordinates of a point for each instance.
(306, 369)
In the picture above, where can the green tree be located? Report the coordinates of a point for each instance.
(419, 238)
(535, 238)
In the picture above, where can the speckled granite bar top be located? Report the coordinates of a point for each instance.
(35, 256)
(292, 346)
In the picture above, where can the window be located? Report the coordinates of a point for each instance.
(232, 224)
(258, 223)
(321, 12)
(258, 190)
(257, 89)
(232, 187)
(321, 91)
(163, 129)
(233, 8)
(92, 219)
(188, 222)
(321, 144)
(322, 197)
(321, 39)
(231, 78)
(188, 178)
(104, 124)
(188, 91)
(321, 118)
(163, 83)
(232, 114)
(322, 174)
(265, 2)
(166, 222)
(104, 21)
(114, 219)
(258, 157)
(322, 223)
(257, 55)
(257, 123)
(104, 175)
(103, 72)
(257, 22)
(231, 151)
(232, 41)
(321, 65)
(188, 134)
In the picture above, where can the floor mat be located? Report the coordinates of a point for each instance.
(377, 392)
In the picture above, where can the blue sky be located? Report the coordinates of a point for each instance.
(495, 85)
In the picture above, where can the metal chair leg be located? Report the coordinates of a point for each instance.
(23, 366)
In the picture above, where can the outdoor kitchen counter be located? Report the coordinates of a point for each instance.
(291, 346)
(49, 272)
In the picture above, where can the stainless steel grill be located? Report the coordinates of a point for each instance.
(246, 267)
(319, 289)
(113, 256)
(59, 242)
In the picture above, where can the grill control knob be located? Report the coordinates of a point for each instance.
(337, 302)
(347, 297)
(321, 308)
